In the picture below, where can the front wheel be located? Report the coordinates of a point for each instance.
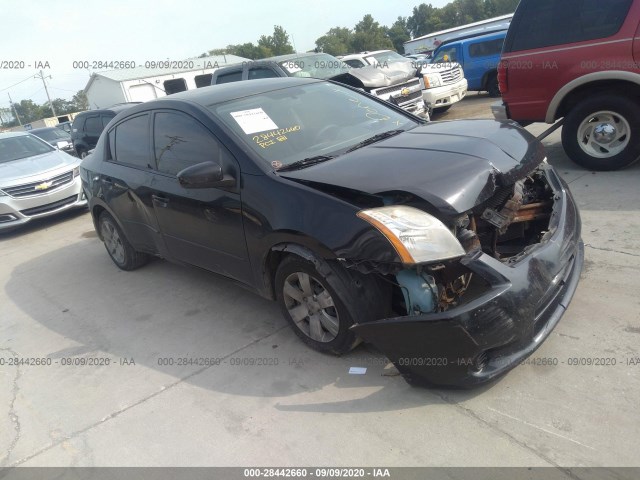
(602, 133)
(315, 303)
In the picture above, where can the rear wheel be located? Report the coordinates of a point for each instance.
(117, 245)
(602, 133)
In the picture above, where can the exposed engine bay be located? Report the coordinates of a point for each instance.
(505, 227)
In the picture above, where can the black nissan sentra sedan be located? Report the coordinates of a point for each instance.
(452, 247)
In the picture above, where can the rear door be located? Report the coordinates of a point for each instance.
(201, 227)
(92, 129)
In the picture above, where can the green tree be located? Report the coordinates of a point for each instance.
(423, 21)
(369, 35)
(80, 101)
(399, 33)
(337, 41)
(278, 43)
(30, 111)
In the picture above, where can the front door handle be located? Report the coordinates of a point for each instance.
(160, 201)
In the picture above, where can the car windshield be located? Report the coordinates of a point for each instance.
(386, 57)
(320, 66)
(52, 135)
(23, 146)
(318, 119)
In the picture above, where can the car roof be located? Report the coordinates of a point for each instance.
(13, 134)
(476, 37)
(43, 129)
(229, 91)
(114, 109)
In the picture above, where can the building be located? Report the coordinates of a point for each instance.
(428, 43)
(153, 80)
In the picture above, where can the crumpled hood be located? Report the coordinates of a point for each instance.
(376, 77)
(20, 171)
(454, 166)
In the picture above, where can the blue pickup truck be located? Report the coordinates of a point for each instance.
(479, 56)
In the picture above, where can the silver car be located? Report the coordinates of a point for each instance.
(36, 180)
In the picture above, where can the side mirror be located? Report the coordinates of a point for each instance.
(61, 145)
(205, 175)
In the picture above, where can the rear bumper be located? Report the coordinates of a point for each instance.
(482, 340)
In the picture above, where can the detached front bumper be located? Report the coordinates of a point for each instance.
(485, 338)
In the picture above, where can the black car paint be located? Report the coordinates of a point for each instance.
(313, 212)
(432, 158)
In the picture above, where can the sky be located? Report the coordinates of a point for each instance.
(64, 31)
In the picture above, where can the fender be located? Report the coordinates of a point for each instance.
(584, 80)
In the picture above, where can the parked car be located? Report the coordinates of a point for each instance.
(444, 85)
(66, 126)
(87, 127)
(377, 58)
(452, 241)
(478, 55)
(575, 63)
(56, 137)
(398, 86)
(36, 180)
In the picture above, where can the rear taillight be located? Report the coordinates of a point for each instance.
(503, 76)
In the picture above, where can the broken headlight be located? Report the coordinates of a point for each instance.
(417, 236)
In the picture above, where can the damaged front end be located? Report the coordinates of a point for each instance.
(477, 312)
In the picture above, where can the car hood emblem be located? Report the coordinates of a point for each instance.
(43, 186)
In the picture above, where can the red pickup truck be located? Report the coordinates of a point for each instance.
(576, 64)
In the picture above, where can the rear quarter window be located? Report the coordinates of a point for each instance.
(545, 23)
(229, 77)
(486, 49)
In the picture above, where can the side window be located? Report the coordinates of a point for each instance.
(354, 63)
(446, 54)
(106, 119)
(131, 145)
(544, 23)
(261, 72)
(229, 77)
(203, 80)
(175, 85)
(181, 141)
(486, 49)
(93, 125)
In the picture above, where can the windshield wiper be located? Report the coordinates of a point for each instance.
(307, 162)
(374, 139)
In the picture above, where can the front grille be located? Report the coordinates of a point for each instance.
(400, 100)
(30, 189)
(49, 207)
(451, 76)
(397, 88)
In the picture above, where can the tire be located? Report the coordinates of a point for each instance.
(493, 87)
(117, 245)
(617, 118)
(82, 153)
(315, 304)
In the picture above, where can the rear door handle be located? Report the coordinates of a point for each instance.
(160, 201)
